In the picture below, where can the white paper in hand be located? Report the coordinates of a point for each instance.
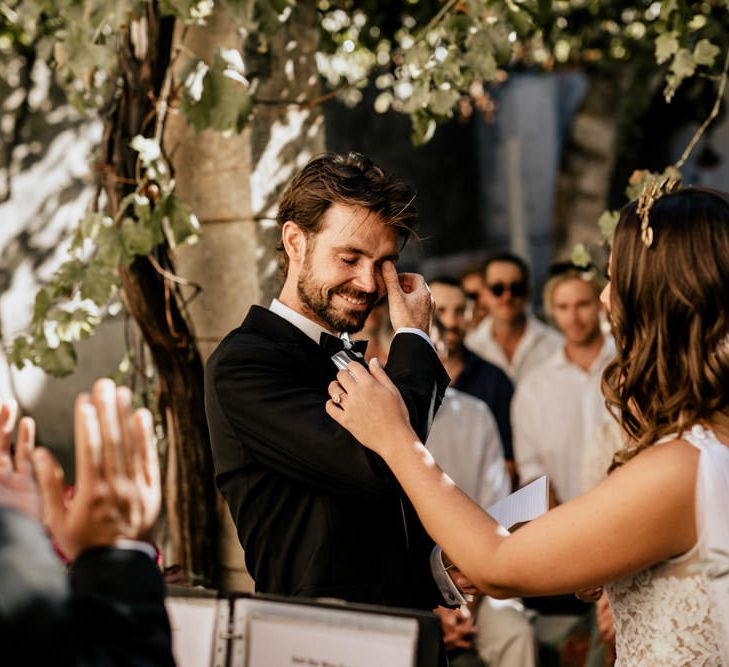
(523, 505)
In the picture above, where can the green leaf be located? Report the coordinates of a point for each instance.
(607, 223)
(58, 361)
(419, 97)
(20, 352)
(697, 22)
(67, 276)
(666, 46)
(423, 128)
(193, 12)
(99, 283)
(705, 53)
(139, 236)
(667, 8)
(443, 101)
(580, 256)
(417, 57)
(40, 307)
(483, 66)
(183, 223)
(383, 101)
(109, 247)
(220, 97)
(87, 229)
(682, 67)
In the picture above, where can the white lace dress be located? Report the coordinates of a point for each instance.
(670, 615)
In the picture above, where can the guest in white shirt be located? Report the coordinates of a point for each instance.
(510, 337)
(558, 406)
(464, 440)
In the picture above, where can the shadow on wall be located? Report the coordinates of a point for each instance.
(50, 190)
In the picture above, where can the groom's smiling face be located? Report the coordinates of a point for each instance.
(340, 279)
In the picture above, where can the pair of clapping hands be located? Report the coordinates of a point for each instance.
(117, 494)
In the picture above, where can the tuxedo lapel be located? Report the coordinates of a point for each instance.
(303, 351)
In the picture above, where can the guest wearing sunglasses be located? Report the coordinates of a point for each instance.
(510, 336)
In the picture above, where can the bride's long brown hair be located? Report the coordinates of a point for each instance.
(669, 305)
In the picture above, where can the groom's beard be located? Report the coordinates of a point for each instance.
(320, 301)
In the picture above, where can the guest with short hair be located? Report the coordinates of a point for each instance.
(510, 336)
(469, 372)
(558, 406)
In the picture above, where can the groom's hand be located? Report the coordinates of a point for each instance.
(460, 580)
(408, 298)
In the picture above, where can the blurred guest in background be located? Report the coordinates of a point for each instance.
(472, 284)
(469, 372)
(510, 336)
(558, 406)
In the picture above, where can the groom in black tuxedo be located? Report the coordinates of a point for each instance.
(317, 514)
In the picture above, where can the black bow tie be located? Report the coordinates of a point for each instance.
(333, 344)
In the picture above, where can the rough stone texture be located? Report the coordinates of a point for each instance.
(594, 134)
(221, 263)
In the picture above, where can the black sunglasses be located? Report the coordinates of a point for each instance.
(517, 288)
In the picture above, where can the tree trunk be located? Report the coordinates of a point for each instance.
(587, 165)
(152, 301)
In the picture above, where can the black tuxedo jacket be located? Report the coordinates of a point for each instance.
(108, 611)
(317, 514)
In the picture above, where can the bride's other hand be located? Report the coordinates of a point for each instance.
(368, 405)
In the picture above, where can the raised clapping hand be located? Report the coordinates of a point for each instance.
(117, 493)
(368, 405)
(18, 489)
(408, 298)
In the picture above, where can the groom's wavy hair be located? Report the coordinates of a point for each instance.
(351, 179)
(669, 306)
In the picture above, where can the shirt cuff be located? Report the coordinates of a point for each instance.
(448, 589)
(417, 332)
(137, 545)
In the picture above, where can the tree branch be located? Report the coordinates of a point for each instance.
(712, 115)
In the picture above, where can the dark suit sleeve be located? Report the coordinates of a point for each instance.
(415, 368)
(256, 395)
(120, 593)
(110, 613)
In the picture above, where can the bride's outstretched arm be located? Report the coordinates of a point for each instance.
(642, 514)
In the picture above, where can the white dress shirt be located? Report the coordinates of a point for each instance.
(557, 409)
(464, 441)
(538, 342)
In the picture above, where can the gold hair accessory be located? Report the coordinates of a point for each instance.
(653, 191)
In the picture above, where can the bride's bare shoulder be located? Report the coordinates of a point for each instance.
(674, 459)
